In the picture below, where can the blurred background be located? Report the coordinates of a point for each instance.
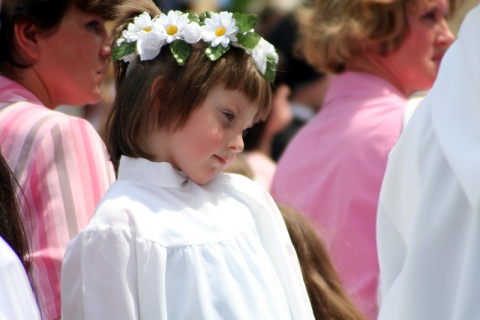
(270, 13)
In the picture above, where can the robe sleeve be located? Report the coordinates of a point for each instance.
(99, 275)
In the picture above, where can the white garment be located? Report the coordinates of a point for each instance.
(16, 296)
(412, 104)
(163, 247)
(428, 226)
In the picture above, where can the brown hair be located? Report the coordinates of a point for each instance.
(12, 226)
(14, 222)
(331, 32)
(159, 93)
(325, 290)
(45, 14)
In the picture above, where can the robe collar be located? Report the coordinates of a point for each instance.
(155, 174)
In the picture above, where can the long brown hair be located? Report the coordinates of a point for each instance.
(325, 290)
(12, 227)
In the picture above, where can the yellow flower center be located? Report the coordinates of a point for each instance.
(171, 30)
(220, 31)
(147, 29)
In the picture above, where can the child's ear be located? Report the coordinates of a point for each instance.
(26, 36)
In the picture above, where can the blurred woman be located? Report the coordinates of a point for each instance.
(54, 52)
(381, 52)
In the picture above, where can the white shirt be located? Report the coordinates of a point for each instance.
(428, 226)
(16, 296)
(162, 247)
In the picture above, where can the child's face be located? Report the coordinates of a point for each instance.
(211, 137)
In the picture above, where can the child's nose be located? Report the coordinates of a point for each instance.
(236, 143)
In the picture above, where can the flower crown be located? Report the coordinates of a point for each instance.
(146, 36)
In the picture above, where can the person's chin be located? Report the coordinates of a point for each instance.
(205, 178)
(95, 97)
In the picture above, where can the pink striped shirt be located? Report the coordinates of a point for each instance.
(62, 166)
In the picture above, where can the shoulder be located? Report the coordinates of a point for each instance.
(34, 121)
(9, 258)
(69, 125)
(18, 301)
(238, 181)
(11, 270)
(245, 190)
(116, 207)
(128, 206)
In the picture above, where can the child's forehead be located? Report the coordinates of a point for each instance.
(236, 99)
(236, 96)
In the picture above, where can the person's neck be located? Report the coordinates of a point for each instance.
(376, 65)
(29, 78)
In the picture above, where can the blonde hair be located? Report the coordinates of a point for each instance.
(331, 32)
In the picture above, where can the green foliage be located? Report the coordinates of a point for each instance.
(181, 51)
(271, 70)
(249, 40)
(193, 17)
(245, 22)
(203, 16)
(213, 53)
(125, 49)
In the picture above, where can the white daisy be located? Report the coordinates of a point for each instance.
(260, 53)
(173, 24)
(220, 29)
(141, 25)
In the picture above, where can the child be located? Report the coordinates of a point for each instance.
(174, 237)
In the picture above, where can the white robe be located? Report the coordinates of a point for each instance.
(16, 296)
(428, 227)
(163, 247)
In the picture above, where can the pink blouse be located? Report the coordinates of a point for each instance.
(62, 166)
(332, 171)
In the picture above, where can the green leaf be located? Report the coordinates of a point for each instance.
(245, 22)
(180, 50)
(123, 50)
(193, 17)
(203, 16)
(249, 40)
(271, 70)
(213, 53)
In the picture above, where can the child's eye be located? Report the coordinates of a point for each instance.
(230, 116)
